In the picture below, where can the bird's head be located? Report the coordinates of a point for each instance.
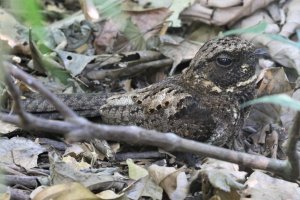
(223, 65)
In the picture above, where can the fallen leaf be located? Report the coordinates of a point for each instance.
(221, 178)
(77, 165)
(273, 81)
(7, 128)
(62, 172)
(66, 191)
(173, 181)
(20, 151)
(74, 62)
(110, 195)
(135, 172)
(263, 186)
(144, 187)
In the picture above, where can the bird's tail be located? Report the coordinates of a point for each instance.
(84, 104)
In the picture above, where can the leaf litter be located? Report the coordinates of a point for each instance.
(140, 41)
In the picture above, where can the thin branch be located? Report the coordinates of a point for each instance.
(129, 71)
(15, 94)
(78, 129)
(66, 112)
(40, 124)
(138, 136)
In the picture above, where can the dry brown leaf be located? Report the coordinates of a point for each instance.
(66, 191)
(74, 150)
(62, 172)
(221, 14)
(20, 151)
(205, 32)
(292, 20)
(5, 196)
(184, 50)
(262, 116)
(110, 195)
(273, 81)
(223, 178)
(144, 187)
(261, 186)
(174, 182)
(77, 165)
(7, 128)
(283, 52)
(105, 39)
(148, 21)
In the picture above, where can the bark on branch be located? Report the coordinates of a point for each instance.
(77, 128)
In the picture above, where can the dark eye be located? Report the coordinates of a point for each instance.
(224, 61)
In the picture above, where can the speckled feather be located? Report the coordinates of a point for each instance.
(85, 104)
(202, 103)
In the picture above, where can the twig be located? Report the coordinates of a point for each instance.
(66, 112)
(50, 126)
(78, 129)
(128, 71)
(15, 94)
(136, 135)
(28, 181)
(140, 155)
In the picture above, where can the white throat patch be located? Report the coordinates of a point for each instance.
(243, 83)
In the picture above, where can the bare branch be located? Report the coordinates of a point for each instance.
(15, 94)
(138, 136)
(78, 129)
(66, 112)
(129, 71)
(50, 126)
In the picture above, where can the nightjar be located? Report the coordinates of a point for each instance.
(201, 103)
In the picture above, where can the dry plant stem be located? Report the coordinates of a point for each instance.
(140, 155)
(15, 94)
(66, 112)
(27, 181)
(135, 135)
(50, 126)
(80, 129)
(18, 194)
(129, 71)
(6, 169)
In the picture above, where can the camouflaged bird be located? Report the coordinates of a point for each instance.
(202, 103)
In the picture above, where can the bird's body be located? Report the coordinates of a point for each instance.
(202, 103)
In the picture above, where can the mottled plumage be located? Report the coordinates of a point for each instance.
(202, 103)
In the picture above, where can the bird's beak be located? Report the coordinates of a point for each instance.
(262, 53)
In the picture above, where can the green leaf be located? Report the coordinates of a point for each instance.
(257, 29)
(282, 39)
(30, 12)
(279, 99)
(46, 64)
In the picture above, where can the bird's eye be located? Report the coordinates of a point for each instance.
(224, 61)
